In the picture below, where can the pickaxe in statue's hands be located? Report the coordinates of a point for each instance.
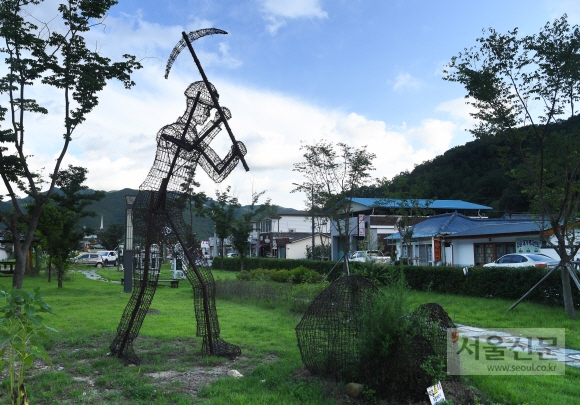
(186, 41)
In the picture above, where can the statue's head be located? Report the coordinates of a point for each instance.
(204, 103)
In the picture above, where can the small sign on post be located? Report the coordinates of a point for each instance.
(361, 225)
(436, 393)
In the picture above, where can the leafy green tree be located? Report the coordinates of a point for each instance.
(112, 235)
(191, 200)
(334, 173)
(321, 251)
(52, 55)
(242, 225)
(221, 211)
(59, 221)
(522, 89)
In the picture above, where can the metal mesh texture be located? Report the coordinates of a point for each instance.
(328, 332)
(193, 35)
(330, 335)
(157, 221)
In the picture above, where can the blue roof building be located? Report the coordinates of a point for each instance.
(439, 206)
(456, 239)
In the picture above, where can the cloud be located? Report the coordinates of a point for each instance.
(405, 80)
(276, 12)
(117, 142)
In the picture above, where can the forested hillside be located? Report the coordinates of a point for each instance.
(472, 172)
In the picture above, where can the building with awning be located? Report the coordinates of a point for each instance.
(457, 240)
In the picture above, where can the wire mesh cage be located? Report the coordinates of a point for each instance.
(328, 334)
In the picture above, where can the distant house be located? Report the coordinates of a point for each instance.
(289, 245)
(458, 240)
(4, 252)
(281, 236)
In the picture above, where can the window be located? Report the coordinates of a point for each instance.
(489, 252)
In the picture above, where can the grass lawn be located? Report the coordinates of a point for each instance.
(172, 369)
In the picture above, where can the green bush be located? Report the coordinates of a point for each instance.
(299, 275)
(485, 282)
(399, 349)
(324, 268)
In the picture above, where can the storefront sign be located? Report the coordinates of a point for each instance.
(528, 245)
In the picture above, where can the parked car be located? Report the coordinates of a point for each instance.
(232, 255)
(92, 259)
(109, 257)
(374, 256)
(524, 260)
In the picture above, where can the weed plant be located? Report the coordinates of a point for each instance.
(399, 351)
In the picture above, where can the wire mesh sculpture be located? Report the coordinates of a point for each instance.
(158, 207)
(327, 333)
(333, 342)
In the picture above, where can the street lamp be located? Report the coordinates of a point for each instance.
(128, 251)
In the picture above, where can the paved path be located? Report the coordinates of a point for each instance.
(569, 356)
(92, 274)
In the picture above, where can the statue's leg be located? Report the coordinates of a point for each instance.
(145, 285)
(203, 284)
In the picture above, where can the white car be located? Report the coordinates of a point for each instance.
(524, 260)
(370, 256)
(109, 257)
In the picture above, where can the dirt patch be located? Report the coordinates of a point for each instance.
(454, 390)
(190, 381)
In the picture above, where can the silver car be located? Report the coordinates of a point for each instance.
(524, 260)
(92, 259)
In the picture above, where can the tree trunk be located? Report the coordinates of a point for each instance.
(60, 274)
(567, 291)
(222, 254)
(19, 268)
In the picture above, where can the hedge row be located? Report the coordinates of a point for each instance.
(494, 282)
(491, 282)
(252, 263)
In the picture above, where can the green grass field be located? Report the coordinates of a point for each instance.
(87, 314)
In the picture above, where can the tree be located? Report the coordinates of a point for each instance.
(333, 175)
(222, 213)
(55, 56)
(523, 88)
(112, 235)
(242, 225)
(192, 200)
(59, 221)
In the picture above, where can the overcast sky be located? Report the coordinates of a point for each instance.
(362, 72)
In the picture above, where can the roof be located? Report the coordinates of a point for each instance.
(423, 203)
(499, 229)
(316, 235)
(457, 225)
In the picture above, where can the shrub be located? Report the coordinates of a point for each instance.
(21, 328)
(299, 275)
(490, 282)
(400, 351)
(324, 268)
